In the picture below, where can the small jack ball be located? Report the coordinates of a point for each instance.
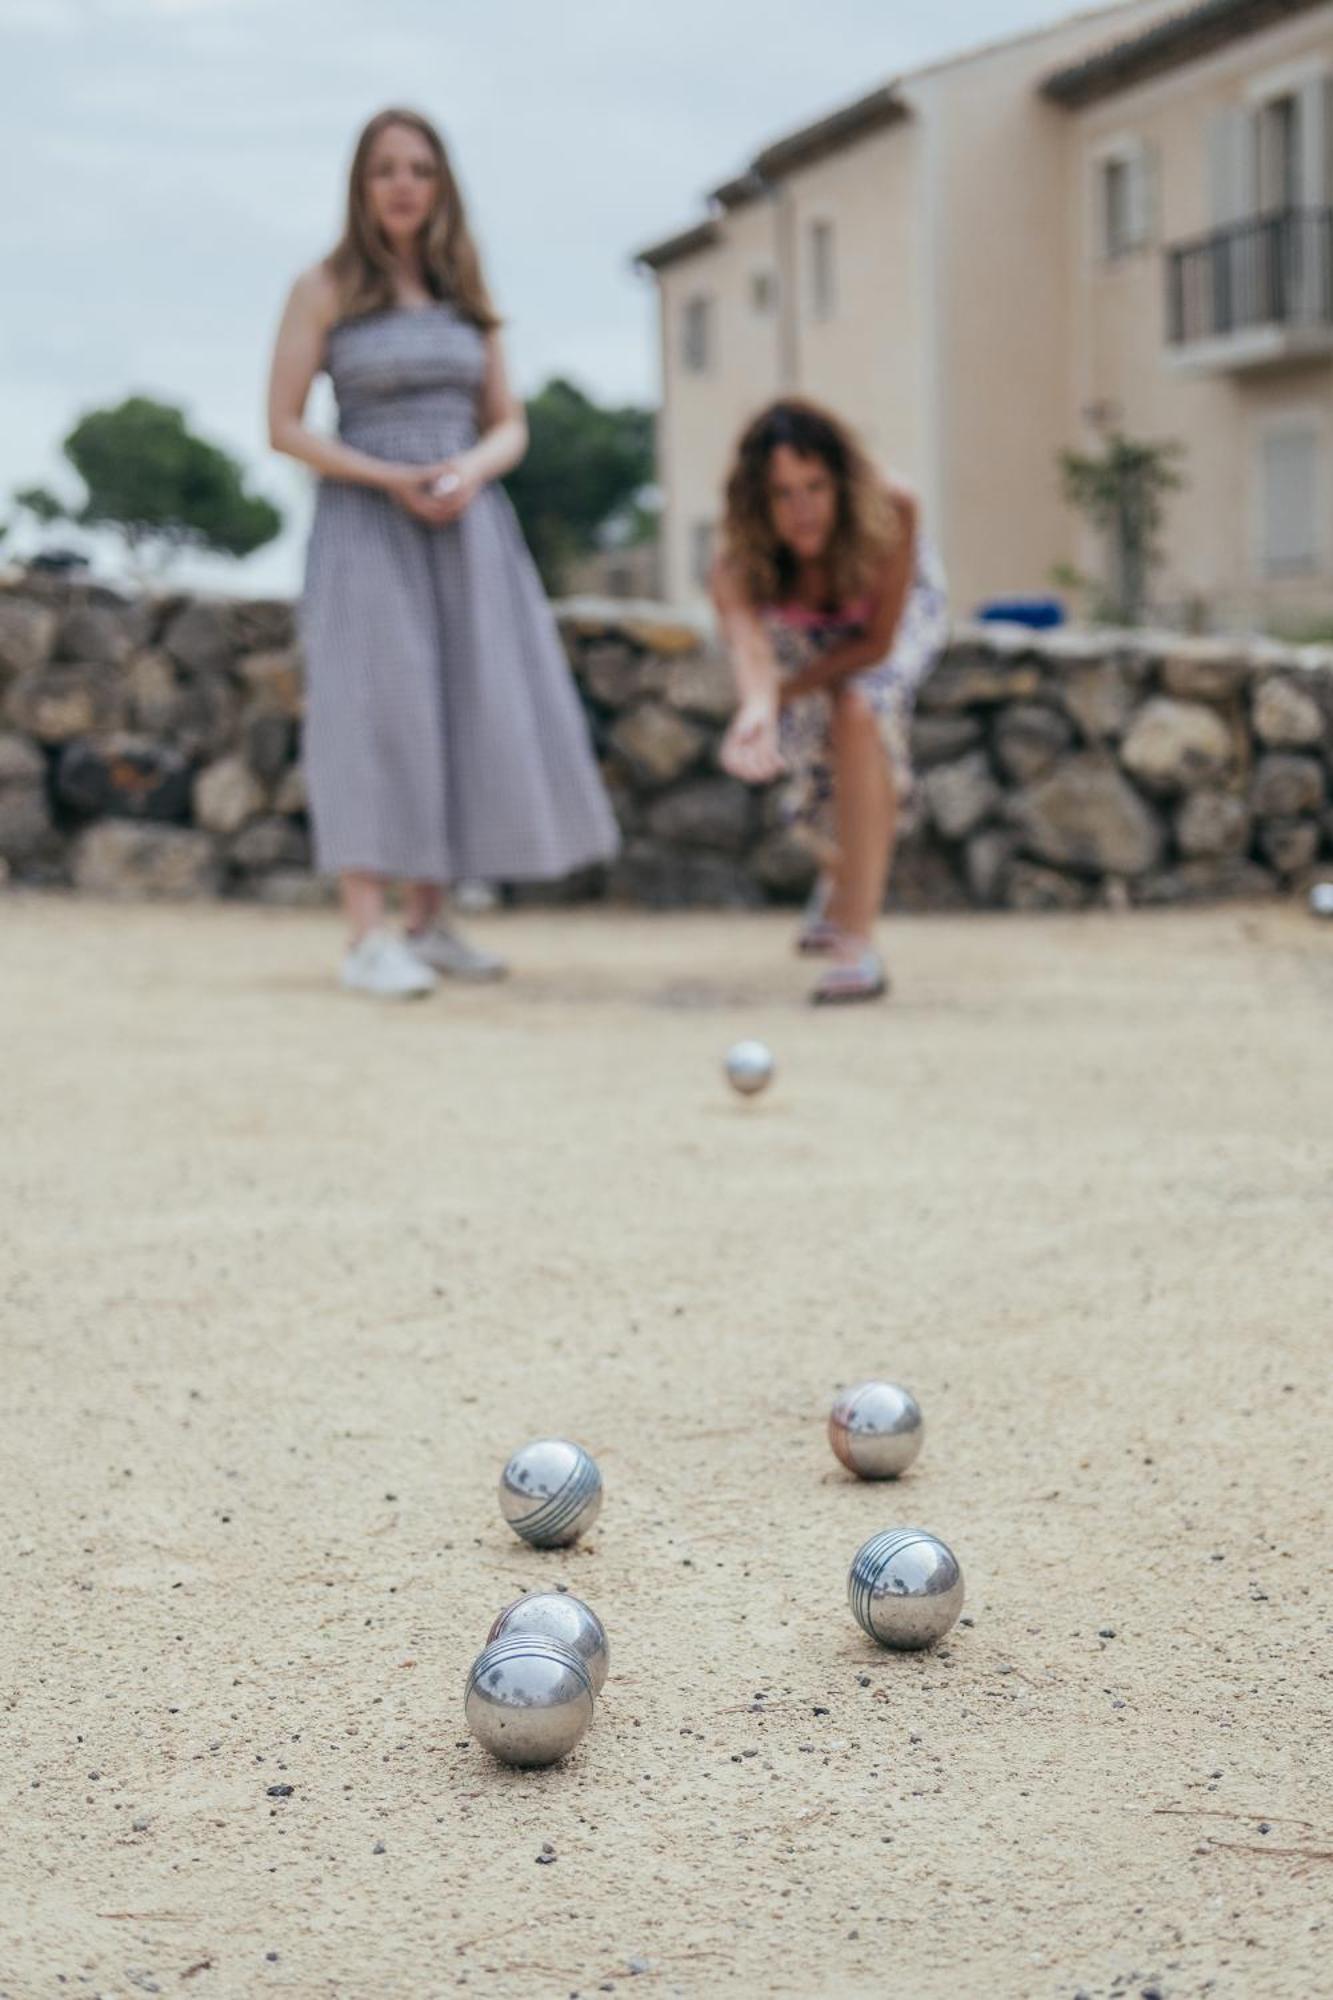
(1321, 900)
(876, 1429)
(749, 1067)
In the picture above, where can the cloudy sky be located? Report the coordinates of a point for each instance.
(169, 165)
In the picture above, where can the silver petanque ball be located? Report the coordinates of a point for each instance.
(528, 1699)
(1321, 900)
(749, 1067)
(559, 1615)
(876, 1429)
(905, 1588)
(550, 1492)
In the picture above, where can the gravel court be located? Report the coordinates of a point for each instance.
(289, 1276)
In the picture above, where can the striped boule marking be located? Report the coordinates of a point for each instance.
(551, 1520)
(510, 1647)
(555, 1515)
(868, 1565)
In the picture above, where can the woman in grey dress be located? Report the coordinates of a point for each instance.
(444, 738)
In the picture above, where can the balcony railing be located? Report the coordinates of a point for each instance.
(1272, 271)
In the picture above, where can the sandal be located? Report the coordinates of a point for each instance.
(862, 978)
(817, 936)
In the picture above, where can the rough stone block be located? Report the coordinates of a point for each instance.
(1286, 786)
(960, 796)
(657, 744)
(663, 878)
(276, 681)
(715, 813)
(1172, 746)
(1289, 845)
(202, 637)
(1285, 716)
(1086, 816)
(97, 634)
(118, 858)
(1205, 881)
(1213, 823)
(27, 634)
(1205, 670)
(939, 739)
(268, 843)
(785, 863)
(702, 684)
(226, 795)
(986, 863)
(1029, 740)
(970, 677)
(124, 777)
(1099, 696)
(26, 827)
(291, 794)
(55, 704)
(1028, 886)
(269, 743)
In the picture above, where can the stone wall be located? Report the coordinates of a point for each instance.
(152, 748)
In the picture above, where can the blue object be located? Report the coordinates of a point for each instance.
(1041, 613)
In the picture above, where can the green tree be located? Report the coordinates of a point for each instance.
(147, 474)
(585, 464)
(1122, 489)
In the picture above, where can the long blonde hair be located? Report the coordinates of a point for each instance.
(866, 526)
(362, 266)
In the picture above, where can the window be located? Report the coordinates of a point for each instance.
(763, 291)
(1289, 486)
(1123, 184)
(1116, 226)
(701, 553)
(1270, 151)
(1279, 154)
(823, 286)
(696, 345)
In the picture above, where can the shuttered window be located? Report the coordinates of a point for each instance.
(1271, 152)
(1289, 486)
(1124, 192)
(702, 537)
(1279, 154)
(823, 275)
(696, 345)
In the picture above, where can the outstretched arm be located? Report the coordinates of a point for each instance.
(750, 746)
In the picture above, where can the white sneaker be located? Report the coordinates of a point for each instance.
(381, 964)
(451, 954)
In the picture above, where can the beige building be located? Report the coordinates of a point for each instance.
(1125, 216)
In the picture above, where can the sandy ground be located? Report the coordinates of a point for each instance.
(288, 1276)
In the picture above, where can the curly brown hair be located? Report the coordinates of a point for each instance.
(361, 265)
(866, 526)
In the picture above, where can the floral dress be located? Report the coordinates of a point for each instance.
(800, 636)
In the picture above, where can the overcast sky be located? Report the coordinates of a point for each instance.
(168, 165)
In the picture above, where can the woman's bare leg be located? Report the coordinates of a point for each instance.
(422, 904)
(866, 817)
(363, 902)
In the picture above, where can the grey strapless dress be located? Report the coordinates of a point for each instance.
(444, 737)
